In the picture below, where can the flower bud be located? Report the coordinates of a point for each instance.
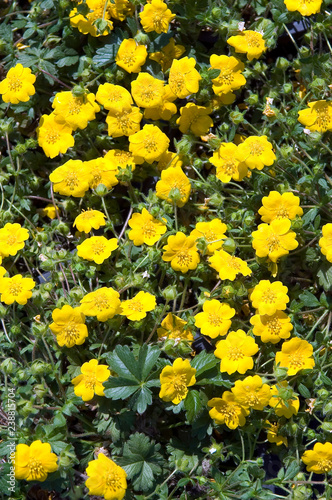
(101, 190)
(170, 293)
(229, 245)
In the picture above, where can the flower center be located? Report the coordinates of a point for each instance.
(214, 319)
(179, 384)
(101, 302)
(252, 400)
(113, 481)
(136, 305)
(323, 117)
(71, 332)
(273, 242)
(229, 166)
(184, 258)
(36, 468)
(157, 22)
(234, 353)
(148, 229)
(11, 240)
(72, 180)
(74, 106)
(115, 95)
(88, 214)
(210, 236)
(296, 360)
(282, 213)
(150, 144)
(15, 289)
(148, 93)
(123, 120)
(98, 248)
(325, 465)
(177, 82)
(253, 39)
(274, 326)
(256, 149)
(52, 136)
(96, 179)
(226, 76)
(90, 381)
(129, 58)
(15, 84)
(269, 296)
(234, 263)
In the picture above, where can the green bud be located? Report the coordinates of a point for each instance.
(315, 137)
(27, 409)
(21, 374)
(216, 200)
(39, 390)
(76, 293)
(20, 149)
(15, 329)
(229, 245)
(101, 190)
(170, 293)
(260, 462)
(286, 151)
(40, 368)
(318, 84)
(324, 394)
(311, 434)
(63, 228)
(288, 88)
(78, 91)
(3, 311)
(183, 146)
(216, 13)
(252, 99)
(227, 292)
(7, 366)
(282, 63)
(119, 75)
(142, 38)
(236, 117)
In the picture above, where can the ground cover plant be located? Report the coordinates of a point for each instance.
(166, 249)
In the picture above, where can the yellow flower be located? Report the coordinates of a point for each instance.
(251, 393)
(296, 354)
(228, 266)
(274, 240)
(86, 24)
(269, 297)
(50, 211)
(280, 206)
(174, 185)
(97, 248)
(215, 319)
(147, 91)
(101, 171)
(148, 144)
(173, 327)
(196, 118)
(12, 238)
(69, 326)
(131, 56)
(283, 400)
(325, 242)
(236, 352)
(226, 410)
(120, 159)
(34, 462)
(137, 307)
(145, 228)
(319, 460)
(183, 77)
(226, 161)
(18, 85)
(125, 122)
(272, 328)
(304, 7)
(248, 42)
(54, 135)
(175, 381)
(90, 381)
(103, 303)
(273, 436)
(16, 289)
(318, 117)
(120, 9)
(213, 232)
(75, 111)
(89, 219)
(167, 54)
(181, 252)
(169, 159)
(165, 110)
(106, 479)
(256, 152)
(114, 97)
(156, 17)
(71, 179)
(230, 77)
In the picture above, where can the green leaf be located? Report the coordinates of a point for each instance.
(123, 362)
(120, 387)
(204, 362)
(309, 299)
(141, 400)
(292, 470)
(67, 61)
(304, 391)
(147, 358)
(193, 404)
(325, 276)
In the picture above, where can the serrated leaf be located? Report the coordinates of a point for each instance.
(147, 358)
(141, 400)
(120, 388)
(325, 276)
(67, 61)
(123, 362)
(292, 470)
(193, 405)
(309, 299)
(203, 362)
